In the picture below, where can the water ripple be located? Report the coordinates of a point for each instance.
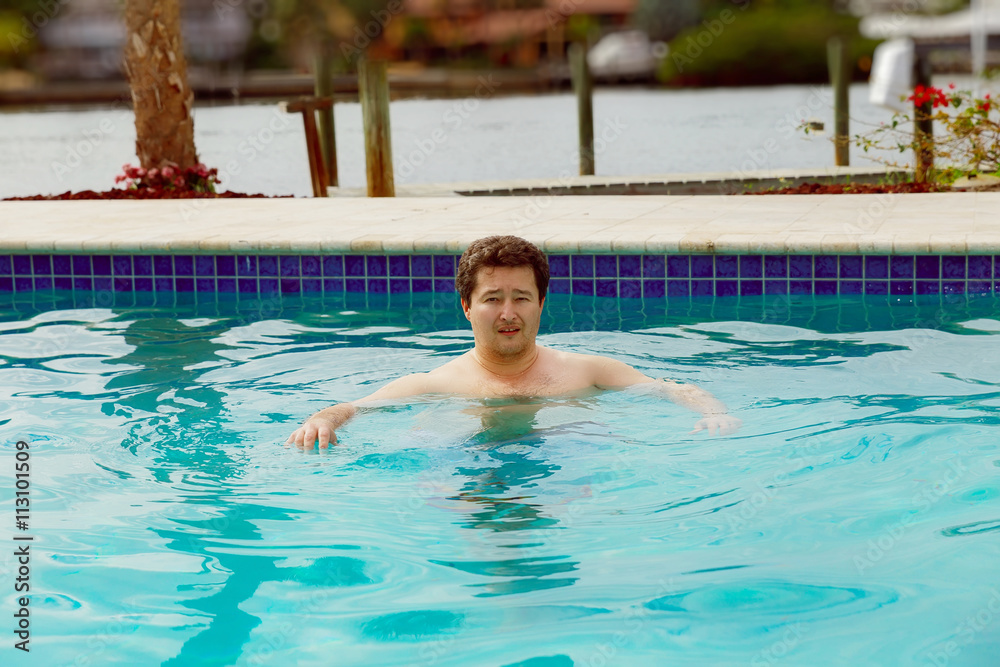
(770, 601)
(972, 528)
(412, 625)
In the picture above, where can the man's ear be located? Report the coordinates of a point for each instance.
(541, 303)
(465, 309)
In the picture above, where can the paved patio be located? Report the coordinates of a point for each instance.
(942, 224)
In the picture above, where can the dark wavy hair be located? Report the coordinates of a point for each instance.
(500, 251)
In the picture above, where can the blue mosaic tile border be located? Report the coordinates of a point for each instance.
(624, 276)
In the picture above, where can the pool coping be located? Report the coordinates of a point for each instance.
(950, 223)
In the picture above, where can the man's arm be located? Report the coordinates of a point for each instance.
(715, 416)
(323, 425)
(613, 374)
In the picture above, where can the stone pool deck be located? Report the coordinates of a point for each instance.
(965, 223)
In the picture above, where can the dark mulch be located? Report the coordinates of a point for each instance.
(142, 193)
(854, 189)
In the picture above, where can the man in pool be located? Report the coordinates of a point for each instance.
(502, 282)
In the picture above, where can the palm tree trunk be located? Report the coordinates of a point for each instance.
(157, 74)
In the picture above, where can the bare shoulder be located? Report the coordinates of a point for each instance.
(447, 377)
(603, 372)
(440, 380)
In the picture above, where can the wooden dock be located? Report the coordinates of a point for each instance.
(708, 183)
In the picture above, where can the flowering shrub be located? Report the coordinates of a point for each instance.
(966, 132)
(198, 178)
(922, 95)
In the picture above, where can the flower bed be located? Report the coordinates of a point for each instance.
(138, 194)
(853, 189)
(168, 182)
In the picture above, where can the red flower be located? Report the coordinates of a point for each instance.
(922, 95)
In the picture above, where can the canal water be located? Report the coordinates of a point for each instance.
(261, 149)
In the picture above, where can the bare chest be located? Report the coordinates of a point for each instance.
(542, 382)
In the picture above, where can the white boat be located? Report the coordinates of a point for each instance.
(625, 55)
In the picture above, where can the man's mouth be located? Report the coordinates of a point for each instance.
(508, 331)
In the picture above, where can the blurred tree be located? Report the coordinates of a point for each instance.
(771, 42)
(157, 75)
(350, 25)
(663, 19)
(20, 21)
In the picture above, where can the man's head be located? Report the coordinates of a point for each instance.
(502, 281)
(492, 251)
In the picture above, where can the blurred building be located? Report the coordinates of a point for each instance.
(85, 40)
(496, 32)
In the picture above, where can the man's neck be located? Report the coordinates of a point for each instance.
(508, 369)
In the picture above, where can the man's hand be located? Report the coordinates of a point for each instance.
(316, 428)
(722, 424)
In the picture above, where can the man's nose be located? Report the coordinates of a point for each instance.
(507, 310)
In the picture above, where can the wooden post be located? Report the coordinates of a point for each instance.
(583, 85)
(327, 136)
(840, 66)
(308, 106)
(373, 89)
(923, 126)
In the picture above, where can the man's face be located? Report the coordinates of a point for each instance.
(504, 310)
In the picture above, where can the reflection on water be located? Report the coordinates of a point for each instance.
(163, 382)
(514, 449)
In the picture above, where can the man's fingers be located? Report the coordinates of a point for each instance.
(717, 425)
(313, 431)
(732, 425)
(308, 436)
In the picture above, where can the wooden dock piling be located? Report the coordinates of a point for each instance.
(584, 87)
(373, 89)
(327, 134)
(840, 66)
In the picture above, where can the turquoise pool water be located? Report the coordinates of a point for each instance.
(853, 520)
